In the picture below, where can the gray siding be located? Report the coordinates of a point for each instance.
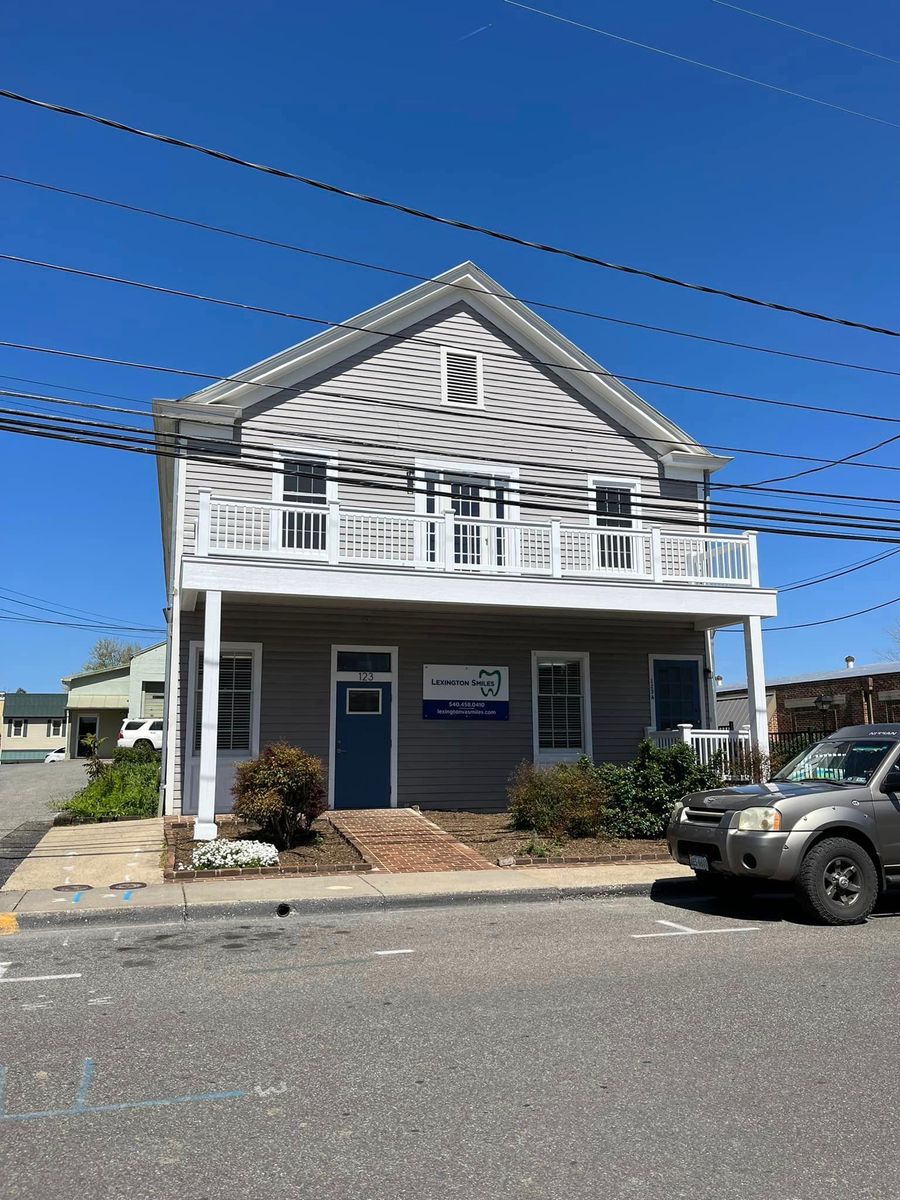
(571, 440)
(445, 764)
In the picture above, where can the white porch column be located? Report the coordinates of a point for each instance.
(756, 684)
(205, 824)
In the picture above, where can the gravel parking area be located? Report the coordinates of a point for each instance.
(32, 791)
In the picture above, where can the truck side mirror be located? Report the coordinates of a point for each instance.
(891, 781)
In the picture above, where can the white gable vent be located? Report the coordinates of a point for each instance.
(461, 378)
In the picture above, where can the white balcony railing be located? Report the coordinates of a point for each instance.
(730, 747)
(341, 536)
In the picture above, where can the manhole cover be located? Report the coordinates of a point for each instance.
(125, 887)
(73, 887)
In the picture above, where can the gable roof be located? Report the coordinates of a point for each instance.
(468, 284)
(34, 704)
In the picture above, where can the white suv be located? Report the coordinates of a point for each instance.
(144, 732)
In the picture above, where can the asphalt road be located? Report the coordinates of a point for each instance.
(527, 1050)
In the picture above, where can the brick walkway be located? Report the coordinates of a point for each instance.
(399, 839)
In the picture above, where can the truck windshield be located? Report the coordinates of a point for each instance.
(838, 761)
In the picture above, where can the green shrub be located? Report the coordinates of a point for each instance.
(126, 787)
(282, 791)
(565, 798)
(640, 795)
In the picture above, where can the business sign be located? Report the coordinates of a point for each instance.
(452, 693)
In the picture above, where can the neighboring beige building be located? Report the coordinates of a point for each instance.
(99, 701)
(34, 723)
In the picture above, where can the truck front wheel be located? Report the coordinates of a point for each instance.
(837, 882)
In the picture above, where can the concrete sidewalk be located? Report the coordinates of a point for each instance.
(114, 852)
(180, 902)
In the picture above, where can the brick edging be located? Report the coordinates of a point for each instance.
(171, 874)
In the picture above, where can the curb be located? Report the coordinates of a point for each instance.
(182, 914)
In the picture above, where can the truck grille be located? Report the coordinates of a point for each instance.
(703, 816)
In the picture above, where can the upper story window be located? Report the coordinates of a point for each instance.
(614, 504)
(17, 727)
(55, 727)
(306, 480)
(462, 378)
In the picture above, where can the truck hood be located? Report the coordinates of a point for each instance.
(749, 795)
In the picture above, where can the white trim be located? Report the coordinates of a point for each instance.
(545, 757)
(365, 712)
(482, 469)
(705, 605)
(479, 377)
(192, 760)
(622, 484)
(391, 678)
(287, 451)
(705, 716)
(170, 803)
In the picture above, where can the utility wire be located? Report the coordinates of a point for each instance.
(832, 620)
(848, 570)
(9, 598)
(121, 441)
(847, 459)
(78, 625)
(292, 316)
(462, 287)
(750, 12)
(261, 452)
(696, 62)
(422, 214)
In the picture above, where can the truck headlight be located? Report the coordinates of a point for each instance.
(763, 820)
(677, 811)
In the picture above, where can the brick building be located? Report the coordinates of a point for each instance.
(820, 700)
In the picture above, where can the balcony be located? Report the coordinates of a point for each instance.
(445, 543)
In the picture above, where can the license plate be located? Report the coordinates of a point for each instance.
(698, 862)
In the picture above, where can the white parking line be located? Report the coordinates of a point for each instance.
(687, 931)
(4, 967)
(384, 953)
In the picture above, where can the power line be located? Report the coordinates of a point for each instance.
(422, 214)
(648, 504)
(861, 612)
(846, 460)
(9, 596)
(243, 235)
(292, 316)
(696, 62)
(120, 441)
(809, 32)
(839, 574)
(77, 625)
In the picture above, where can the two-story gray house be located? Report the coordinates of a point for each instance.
(439, 539)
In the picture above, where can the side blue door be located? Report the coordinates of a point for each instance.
(362, 745)
(676, 690)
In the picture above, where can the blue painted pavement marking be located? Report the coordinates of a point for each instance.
(127, 895)
(87, 1075)
(77, 897)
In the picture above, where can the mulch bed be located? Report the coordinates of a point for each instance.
(326, 852)
(492, 836)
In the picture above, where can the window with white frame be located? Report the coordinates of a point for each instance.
(236, 700)
(560, 704)
(462, 378)
(614, 506)
(55, 727)
(305, 482)
(17, 727)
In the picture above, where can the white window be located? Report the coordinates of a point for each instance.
(462, 378)
(236, 701)
(309, 482)
(614, 506)
(55, 727)
(561, 706)
(18, 727)
(305, 481)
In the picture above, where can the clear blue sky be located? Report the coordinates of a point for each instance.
(528, 125)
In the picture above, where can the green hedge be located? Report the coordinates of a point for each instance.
(629, 801)
(126, 787)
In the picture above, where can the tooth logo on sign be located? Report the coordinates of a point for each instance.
(490, 682)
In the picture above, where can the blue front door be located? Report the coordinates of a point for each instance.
(676, 691)
(362, 745)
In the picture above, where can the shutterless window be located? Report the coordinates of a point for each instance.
(613, 506)
(305, 480)
(560, 704)
(235, 701)
(369, 661)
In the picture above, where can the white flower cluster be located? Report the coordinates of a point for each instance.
(223, 853)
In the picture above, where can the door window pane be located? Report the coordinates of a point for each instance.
(560, 704)
(364, 700)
